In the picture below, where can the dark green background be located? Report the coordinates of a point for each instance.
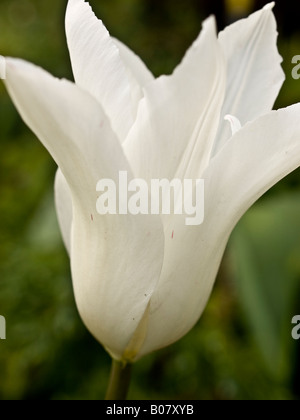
(242, 346)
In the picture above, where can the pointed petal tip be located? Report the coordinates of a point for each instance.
(234, 123)
(209, 26)
(81, 8)
(98, 67)
(75, 8)
(77, 2)
(210, 23)
(269, 6)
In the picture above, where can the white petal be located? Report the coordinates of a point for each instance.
(138, 74)
(255, 75)
(97, 66)
(252, 161)
(192, 258)
(178, 117)
(133, 62)
(116, 260)
(63, 203)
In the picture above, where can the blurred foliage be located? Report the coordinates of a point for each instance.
(241, 347)
(264, 253)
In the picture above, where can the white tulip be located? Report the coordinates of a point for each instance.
(142, 281)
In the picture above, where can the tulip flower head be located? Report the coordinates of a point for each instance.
(141, 281)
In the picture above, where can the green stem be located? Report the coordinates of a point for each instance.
(119, 381)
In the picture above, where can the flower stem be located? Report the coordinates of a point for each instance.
(119, 381)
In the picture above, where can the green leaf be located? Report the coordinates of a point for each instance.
(265, 251)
